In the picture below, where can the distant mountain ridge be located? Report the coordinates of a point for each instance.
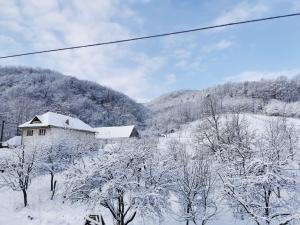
(25, 92)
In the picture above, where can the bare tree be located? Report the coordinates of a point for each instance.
(18, 171)
(256, 173)
(208, 132)
(53, 159)
(194, 185)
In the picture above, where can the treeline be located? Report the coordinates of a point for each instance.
(282, 89)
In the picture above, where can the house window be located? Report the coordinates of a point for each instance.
(29, 132)
(42, 131)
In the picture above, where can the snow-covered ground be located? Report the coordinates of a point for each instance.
(43, 211)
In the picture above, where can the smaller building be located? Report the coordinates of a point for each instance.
(107, 133)
(53, 128)
(12, 142)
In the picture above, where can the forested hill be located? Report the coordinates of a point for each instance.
(276, 97)
(25, 92)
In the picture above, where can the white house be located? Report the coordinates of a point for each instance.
(51, 128)
(116, 132)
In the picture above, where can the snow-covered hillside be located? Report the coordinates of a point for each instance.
(277, 97)
(173, 99)
(43, 211)
(281, 89)
(256, 122)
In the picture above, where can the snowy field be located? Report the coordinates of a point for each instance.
(43, 211)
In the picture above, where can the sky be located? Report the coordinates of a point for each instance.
(148, 68)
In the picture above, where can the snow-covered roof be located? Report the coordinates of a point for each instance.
(14, 141)
(57, 120)
(114, 132)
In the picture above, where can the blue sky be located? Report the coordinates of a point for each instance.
(146, 69)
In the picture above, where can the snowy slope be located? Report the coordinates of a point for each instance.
(255, 121)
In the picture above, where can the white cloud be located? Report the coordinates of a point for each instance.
(183, 52)
(170, 79)
(242, 11)
(258, 75)
(221, 45)
(295, 5)
(139, 1)
(52, 24)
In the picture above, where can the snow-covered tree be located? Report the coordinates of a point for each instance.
(126, 179)
(256, 176)
(18, 171)
(58, 157)
(208, 133)
(256, 168)
(194, 185)
(51, 160)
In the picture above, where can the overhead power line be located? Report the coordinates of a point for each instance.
(151, 36)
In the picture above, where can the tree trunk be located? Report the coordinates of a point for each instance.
(278, 192)
(25, 197)
(102, 221)
(52, 181)
(121, 211)
(267, 205)
(54, 190)
(188, 211)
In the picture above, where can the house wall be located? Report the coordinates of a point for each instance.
(55, 135)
